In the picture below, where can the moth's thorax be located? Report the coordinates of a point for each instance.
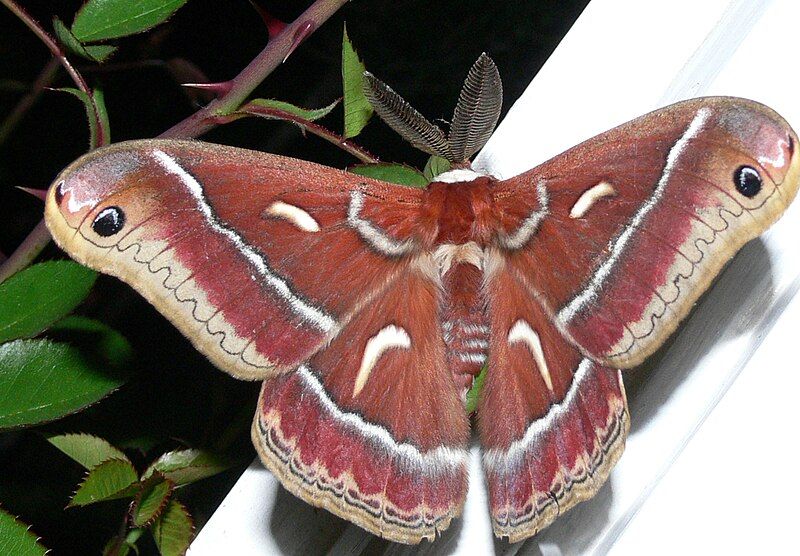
(459, 212)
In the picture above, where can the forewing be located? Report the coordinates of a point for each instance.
(552, 422)
(619, 236)
(372, 428)
(258, 259)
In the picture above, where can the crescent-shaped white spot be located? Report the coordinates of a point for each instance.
(522, 332)
(294, 214)
(590, 197)
(387, 338)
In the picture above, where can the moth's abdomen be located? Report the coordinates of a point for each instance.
(464, 321)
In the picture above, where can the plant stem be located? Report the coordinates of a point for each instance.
(256, 71)
(27, 251)
(44, 79)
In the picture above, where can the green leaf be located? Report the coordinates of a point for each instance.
(474, 392)
(41, 380)
(393, 173)
(270, 108)
(187, 466)
(173, 530)
(436, 165)
(151, 500)
(108, 19)
(102, 114)
(110, 480)
(34, 298)
(98, 122)
(95, 53)
(357, 109)
(16, 538)
(86, 449)
(118, 546)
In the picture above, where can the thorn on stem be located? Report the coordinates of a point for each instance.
(219, 89)
(304, 30)
(40, 194)
(273, 24)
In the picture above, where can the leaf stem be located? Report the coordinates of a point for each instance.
(273, 55)
(251, 109)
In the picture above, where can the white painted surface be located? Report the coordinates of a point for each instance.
(724, 493)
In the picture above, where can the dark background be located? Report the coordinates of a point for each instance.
(422, 49)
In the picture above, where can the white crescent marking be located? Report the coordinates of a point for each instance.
(387, 338)
(297, 216)
(590, 197)
(523, 333)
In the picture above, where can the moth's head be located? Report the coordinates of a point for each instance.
(93, 201)
(762, 163)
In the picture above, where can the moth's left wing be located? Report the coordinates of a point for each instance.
(372, 427)
(258, 259)
(619, 236)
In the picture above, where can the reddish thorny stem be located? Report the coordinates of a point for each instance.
(275, 53)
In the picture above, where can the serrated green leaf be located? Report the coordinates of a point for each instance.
(436, 165)
(99, 20)
(357, 109)
(110, 480)
(270, 108)
(96, 53)
(16, 538)
(151, 499)
(34, 298)
(41, 380)
(86, 449)
(475, 391)
(173, 530)
(187, 466)
(393, 173)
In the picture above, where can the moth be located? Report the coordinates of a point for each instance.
(367, 308)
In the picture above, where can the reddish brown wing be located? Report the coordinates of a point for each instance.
(258, 259)
(552, 422)
(619, 236)
(372, 427)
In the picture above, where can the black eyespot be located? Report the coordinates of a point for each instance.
(747, 181)
(109, 221)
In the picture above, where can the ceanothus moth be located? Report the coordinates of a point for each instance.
(367, 308)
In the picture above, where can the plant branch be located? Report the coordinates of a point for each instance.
(252, 109)
(273, 55)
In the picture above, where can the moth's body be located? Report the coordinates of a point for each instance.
(368, 307)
